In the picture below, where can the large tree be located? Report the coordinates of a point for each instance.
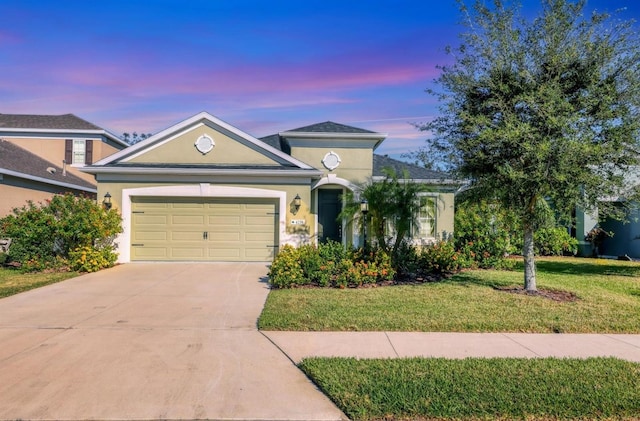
(545, 109)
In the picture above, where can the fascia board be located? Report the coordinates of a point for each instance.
(378, 138)
(203, 171)
(183, 125)
(435, 181)
(46, 180)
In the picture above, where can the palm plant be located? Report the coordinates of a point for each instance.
(394, 203)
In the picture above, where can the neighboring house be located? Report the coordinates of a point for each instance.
(623, 238)
(205, 190)
(41, 155)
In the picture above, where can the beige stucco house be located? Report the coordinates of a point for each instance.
(41, 155)
(205, 190)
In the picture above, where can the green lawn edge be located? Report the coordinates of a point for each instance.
(479, 388)
(608, 301)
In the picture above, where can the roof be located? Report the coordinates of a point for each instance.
(56, 122)
(330, 127)
(415, 172)
(53, 123)
(19, 162)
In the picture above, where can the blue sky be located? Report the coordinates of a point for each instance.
(262, 66)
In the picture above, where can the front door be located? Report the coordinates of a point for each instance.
(329, 207)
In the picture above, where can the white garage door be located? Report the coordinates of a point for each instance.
(212, 229)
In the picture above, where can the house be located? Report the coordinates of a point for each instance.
(41, 155)
(205, 190)
(622, 237)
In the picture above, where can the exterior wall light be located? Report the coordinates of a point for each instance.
(364, 206)
(107, 201)
(297, 201)
(364, 209)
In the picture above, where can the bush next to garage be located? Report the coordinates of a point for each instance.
(46, 235)
(329, 265)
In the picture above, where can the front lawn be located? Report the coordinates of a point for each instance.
(608, 301)
(13, 282)
(473, 389)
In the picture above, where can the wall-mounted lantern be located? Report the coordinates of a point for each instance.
(297, 201)
(107, 201)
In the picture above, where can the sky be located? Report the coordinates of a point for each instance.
(261, 66)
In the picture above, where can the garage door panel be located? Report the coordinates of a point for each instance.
(187, 253)
(217, 238)
(259, 220)
(159, 220)
(149, 253)
(149, 235)
(232, 229)
(188, 220)
(261, 254)
(261, 237)
(225, 220)
(193, 236)
(225, 254)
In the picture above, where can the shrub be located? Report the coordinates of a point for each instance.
(92, 259)
(43, 235)
(440, 258)
(554, 242)
(286, 270)
(329, 265)
(484, 234)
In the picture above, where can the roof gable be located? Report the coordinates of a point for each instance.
(19, 162)
(176, 146)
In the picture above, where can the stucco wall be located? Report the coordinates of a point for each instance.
(181, 150)
(53, 149)
(15, 192)
(356, 164)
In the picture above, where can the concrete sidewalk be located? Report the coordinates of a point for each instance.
(299, 345)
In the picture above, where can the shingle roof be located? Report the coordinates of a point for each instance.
(415, 172)
(59, 122)
(19, 160)
(330, 127)
(273, 141)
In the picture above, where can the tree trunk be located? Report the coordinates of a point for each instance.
(529, 261)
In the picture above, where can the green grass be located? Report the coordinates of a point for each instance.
(473, 389)
(608, 292)
(13, 282)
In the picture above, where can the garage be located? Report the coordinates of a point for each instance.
(203, 229)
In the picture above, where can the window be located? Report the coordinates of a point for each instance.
(78, 151)
(426, 218)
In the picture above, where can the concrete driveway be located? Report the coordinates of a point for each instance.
(150, 341)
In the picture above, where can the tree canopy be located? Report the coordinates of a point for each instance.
(546, 109)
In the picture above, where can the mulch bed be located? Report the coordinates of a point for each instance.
(552, 294)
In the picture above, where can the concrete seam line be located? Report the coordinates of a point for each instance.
(391, 343)
(279, 348)
(617, 339)
(506, 335)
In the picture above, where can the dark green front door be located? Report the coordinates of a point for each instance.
(329, 207)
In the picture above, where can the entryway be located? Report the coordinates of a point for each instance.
(329, 207)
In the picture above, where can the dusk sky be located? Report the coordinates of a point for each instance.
(261, 66)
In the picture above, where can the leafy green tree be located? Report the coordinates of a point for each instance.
(134, 137)
(540, 110)
(393, 203)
